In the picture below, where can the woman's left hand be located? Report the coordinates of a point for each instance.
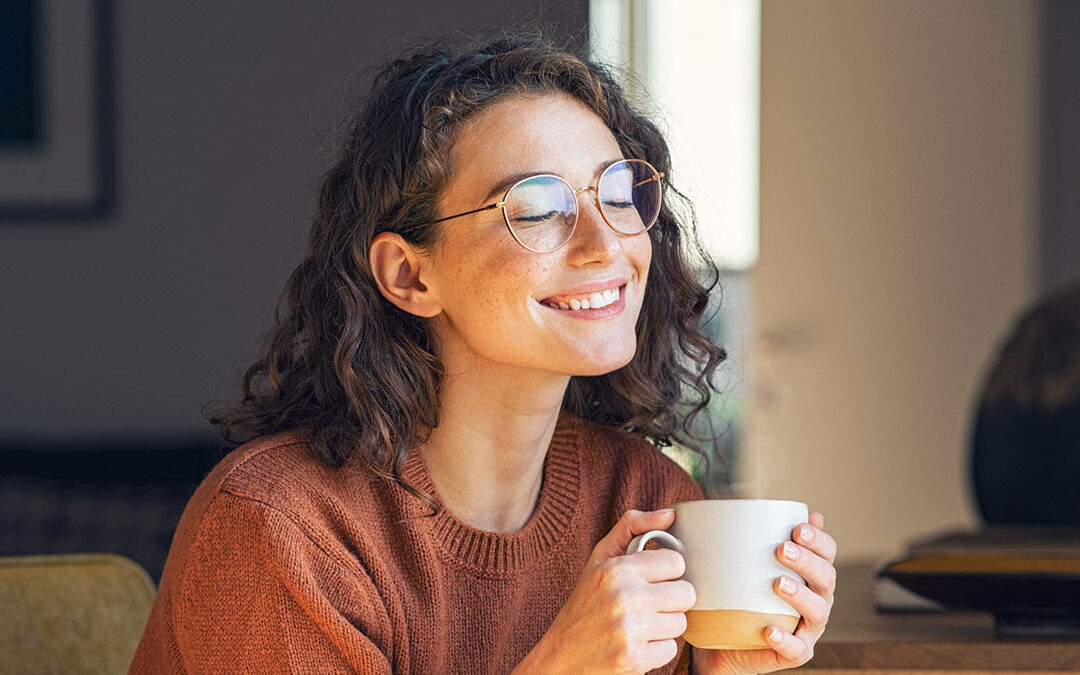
(814, 553)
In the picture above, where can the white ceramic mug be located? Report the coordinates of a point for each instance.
(729, 546)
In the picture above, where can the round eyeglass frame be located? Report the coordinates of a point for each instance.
(595, 188)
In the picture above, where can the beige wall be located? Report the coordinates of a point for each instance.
(898, 224)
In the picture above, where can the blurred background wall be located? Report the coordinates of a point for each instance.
(903, 194)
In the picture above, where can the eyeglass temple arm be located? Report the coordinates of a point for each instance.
(467, 213)
(647, 180)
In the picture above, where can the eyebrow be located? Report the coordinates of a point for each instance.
(506, 183)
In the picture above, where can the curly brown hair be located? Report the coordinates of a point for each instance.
(358, 375)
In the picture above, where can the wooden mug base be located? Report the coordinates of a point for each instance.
(733, 628)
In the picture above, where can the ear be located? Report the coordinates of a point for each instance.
(396, 266)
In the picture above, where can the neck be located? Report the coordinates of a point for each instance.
(486, 457)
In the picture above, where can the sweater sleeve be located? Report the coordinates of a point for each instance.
(258, 594)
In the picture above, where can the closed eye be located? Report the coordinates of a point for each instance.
(537, 218)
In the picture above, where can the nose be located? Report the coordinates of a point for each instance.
(593, 241)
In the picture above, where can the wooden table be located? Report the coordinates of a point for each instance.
(861, 640)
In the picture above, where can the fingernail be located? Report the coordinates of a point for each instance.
(787, 584)
(666, 511)
(774, 634)
(805, 533)
(790, 551)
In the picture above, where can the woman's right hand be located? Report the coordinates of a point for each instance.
(626, 610)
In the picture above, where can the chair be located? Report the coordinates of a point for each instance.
(71, 613)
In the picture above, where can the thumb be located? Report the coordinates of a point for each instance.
(629, 526)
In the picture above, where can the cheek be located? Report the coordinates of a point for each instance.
(642, 254)
(497, 286)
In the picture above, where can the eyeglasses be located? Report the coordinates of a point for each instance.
(542, 211)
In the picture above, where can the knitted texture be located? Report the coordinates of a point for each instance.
(281, 564)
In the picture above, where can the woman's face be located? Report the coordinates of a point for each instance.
(500, 300)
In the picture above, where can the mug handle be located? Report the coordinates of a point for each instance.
(663, 538)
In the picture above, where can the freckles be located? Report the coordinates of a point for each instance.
(489, 305)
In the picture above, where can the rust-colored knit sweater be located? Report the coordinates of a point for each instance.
(280, 564)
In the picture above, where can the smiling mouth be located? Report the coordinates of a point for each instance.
(585, 301)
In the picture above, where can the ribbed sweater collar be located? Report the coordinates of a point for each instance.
(504, 554)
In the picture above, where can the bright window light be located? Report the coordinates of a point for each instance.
(699, 61)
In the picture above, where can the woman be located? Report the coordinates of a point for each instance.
(449, 434)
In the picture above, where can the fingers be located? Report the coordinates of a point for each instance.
(631, 524)
(656, 565)
(791, 651)
(819, 573)
(816, 539)
(670, 596)
(656, 654)
(640, 522)
(668, 625)
(811, 553)
(813, 608)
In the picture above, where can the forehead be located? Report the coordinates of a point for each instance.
(533, 132)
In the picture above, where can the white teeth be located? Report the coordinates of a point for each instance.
(594, 300)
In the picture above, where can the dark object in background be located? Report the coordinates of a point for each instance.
(108, 497)
(56, 111)
(1023, 564)
(19, 102)
(1028, 577)
(1025, 456)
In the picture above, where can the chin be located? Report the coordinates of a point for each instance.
(595, 369)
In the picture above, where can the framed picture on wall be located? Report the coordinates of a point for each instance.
(55, 110)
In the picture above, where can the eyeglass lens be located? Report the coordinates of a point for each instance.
(542, 210)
